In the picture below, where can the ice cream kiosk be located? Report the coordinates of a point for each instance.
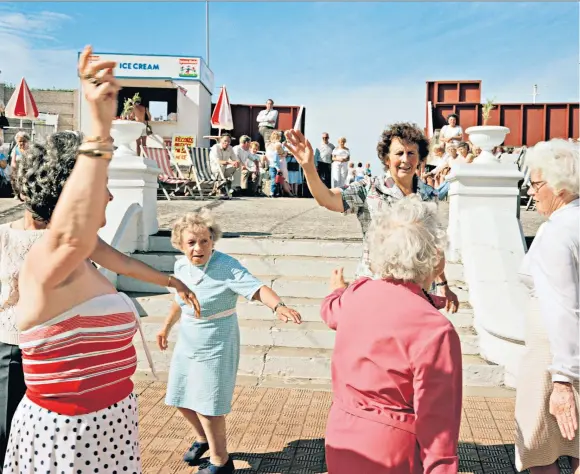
(175, 89)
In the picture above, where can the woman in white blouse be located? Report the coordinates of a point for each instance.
(452, 133)
(339, 168)
(547, 385)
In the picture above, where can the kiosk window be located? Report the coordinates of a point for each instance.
(158, 111)
(149, 97)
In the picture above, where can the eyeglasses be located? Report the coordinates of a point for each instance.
(325, 138)
(537, 185)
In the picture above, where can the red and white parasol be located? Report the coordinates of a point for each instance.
(22, 105)
(222, 114)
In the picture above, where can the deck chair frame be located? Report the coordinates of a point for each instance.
(171, 178)
(201, 169)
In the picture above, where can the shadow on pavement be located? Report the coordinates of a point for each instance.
(307, 457)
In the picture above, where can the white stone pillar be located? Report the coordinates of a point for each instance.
(133, 179)
(486, 236)
(473, 185)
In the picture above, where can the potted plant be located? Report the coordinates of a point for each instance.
(126, 130)
(487, 137)
(486, 110)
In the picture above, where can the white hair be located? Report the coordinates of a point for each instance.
(22, 134)
(407, 241)
(557, 161)
(195, 220)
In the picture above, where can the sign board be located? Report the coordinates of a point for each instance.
(178, 144)
(186, 68)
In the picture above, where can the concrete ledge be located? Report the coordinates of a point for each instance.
(157, 306)
(303, 287)
(275, 333)
(273, 247)
(287, 364)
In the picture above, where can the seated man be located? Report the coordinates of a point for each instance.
(249, 176)
(222, 157)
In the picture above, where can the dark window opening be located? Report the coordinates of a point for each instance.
(149, 94)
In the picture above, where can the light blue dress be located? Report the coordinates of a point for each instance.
(202, 375)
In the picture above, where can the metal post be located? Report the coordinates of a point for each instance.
(207, 32)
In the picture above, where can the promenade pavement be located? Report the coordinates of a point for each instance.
(281, 431)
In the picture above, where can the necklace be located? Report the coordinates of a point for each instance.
(428, 296)
(199, 280)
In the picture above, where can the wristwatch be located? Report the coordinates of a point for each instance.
(281, 303)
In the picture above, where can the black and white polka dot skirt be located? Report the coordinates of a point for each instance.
(104, 442)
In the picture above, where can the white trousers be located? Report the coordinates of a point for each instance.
(338, 174)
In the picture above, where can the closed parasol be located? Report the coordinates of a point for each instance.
(222, 114)
(22, 105)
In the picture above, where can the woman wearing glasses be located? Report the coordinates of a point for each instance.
(547, 385)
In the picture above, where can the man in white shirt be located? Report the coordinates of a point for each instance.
(222, 157)
(267, 121)
(248, 164)
(323, 157)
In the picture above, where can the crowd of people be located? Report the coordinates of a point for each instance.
(66, 334)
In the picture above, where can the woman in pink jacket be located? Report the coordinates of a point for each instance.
(396, 366)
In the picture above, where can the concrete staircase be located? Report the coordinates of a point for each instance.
(278, 354)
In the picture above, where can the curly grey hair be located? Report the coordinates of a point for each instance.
(558, 161)
(43, 171)
(195, 220)
(407, 241)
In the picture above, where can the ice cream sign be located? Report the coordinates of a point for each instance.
(154, 67)
(139, 66)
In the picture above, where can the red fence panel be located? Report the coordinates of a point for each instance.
(528, 123)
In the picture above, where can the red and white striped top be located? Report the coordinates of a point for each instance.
(82, 361)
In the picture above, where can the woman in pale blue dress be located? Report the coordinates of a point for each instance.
(205, 360)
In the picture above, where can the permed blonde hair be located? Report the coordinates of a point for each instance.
(407, 241)
(202, 219)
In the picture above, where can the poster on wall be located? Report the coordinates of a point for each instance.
(178, 144)
(189, 67)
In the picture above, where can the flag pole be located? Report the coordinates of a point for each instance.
(207, 32)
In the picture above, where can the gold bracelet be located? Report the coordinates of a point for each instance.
(100, 154)
(169, 282)
(97, 139)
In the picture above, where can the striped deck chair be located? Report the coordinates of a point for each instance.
(169, 182)
(201, 168)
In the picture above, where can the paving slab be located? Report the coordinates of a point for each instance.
(291, 218)
(266, 217)
(281, 431)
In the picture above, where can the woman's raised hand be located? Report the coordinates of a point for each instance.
(300, 147)
(100, 89)
(337, 279)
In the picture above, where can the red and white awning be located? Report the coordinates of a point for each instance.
(22, 105)
(222, 114)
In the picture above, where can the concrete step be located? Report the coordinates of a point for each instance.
(275, 333)
(273, 247)
(284, 286)
(150, 304)
(287, 264)
(309, 366)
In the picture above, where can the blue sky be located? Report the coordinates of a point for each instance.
(355, 66)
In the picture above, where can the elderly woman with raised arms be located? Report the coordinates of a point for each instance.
(75, 331)
(396, 364)
(548, 378)
(42, 174)
(205, 360)
(402, 148)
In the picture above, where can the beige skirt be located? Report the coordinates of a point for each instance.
(538, 439)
